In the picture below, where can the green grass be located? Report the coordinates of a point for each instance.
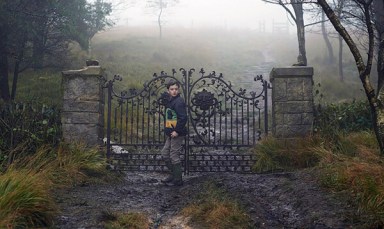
(136, 53)
(43, 86)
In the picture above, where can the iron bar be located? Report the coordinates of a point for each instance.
(109, 119)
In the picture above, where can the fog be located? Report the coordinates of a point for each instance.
(242, 14)
(240, 38)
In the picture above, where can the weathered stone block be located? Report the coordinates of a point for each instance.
(80, 117)
(88, 106)
(90, 134)
(292, 101)
(293, 107)
(280, 92)
(83, 106)
(292, 119)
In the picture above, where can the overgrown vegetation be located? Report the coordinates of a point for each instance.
(214, 208)
(26, 126)
(347, 162)
(343, 151)
(26, 185)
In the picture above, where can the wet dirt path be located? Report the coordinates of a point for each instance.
(279, 200)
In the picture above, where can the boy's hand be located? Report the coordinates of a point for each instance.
(174, 134)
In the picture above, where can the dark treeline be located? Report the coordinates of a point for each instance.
(36, 34)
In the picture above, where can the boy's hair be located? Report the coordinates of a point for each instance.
(172, 82)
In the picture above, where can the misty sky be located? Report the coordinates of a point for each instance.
(218, 13)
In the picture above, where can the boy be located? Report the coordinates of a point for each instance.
(175, 130)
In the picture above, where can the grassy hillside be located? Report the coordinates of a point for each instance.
(137, 52)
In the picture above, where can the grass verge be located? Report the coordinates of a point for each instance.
(25, 186)
(351, 166)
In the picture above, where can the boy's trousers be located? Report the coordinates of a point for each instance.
(172, 148)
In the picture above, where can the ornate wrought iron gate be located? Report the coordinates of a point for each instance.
(222, 121)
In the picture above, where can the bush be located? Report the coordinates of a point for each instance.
(330, 119)
(24, 127)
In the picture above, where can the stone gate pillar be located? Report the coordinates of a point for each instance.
(292, 101)
(83, 105)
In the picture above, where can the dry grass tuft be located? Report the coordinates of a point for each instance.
(214, 209)
(26, 185)
(134, 220)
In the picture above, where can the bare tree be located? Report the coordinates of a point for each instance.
(364, 11)
(330, 58)
(159, 6)
(339, 11)
(298, 17)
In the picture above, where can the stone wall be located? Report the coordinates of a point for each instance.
(83, 105)
(292, 101)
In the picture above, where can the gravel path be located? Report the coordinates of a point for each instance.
(279, 200)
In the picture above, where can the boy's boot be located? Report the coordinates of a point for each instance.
(177, 175)
(169, 178)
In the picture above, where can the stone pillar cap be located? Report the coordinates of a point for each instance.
(89, 70)
(292, 71)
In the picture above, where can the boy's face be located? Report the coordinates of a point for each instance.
(173, 90)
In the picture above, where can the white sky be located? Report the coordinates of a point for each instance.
(219, 13)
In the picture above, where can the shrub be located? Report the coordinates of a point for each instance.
(24, 127)
(330, 119)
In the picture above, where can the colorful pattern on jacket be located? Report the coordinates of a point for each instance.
(175, 116)
(170, 118)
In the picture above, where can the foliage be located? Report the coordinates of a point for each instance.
(40, 85)
(132, 220)
(346, 117)
(37, 34)
(26, 126)
(213, 208)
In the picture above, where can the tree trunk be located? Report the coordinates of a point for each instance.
(330, 59)
(39, 46)
(298, 8)
(341, 72)
(4, 87)
(378, 8)
(375, 103)
(339, 12)
(15, 78)
(159, 20)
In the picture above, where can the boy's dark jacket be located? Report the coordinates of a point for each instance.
(175, 115)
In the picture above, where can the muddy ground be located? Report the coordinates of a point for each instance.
(277, 200)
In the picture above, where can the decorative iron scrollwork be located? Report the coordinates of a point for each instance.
(204, 100)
